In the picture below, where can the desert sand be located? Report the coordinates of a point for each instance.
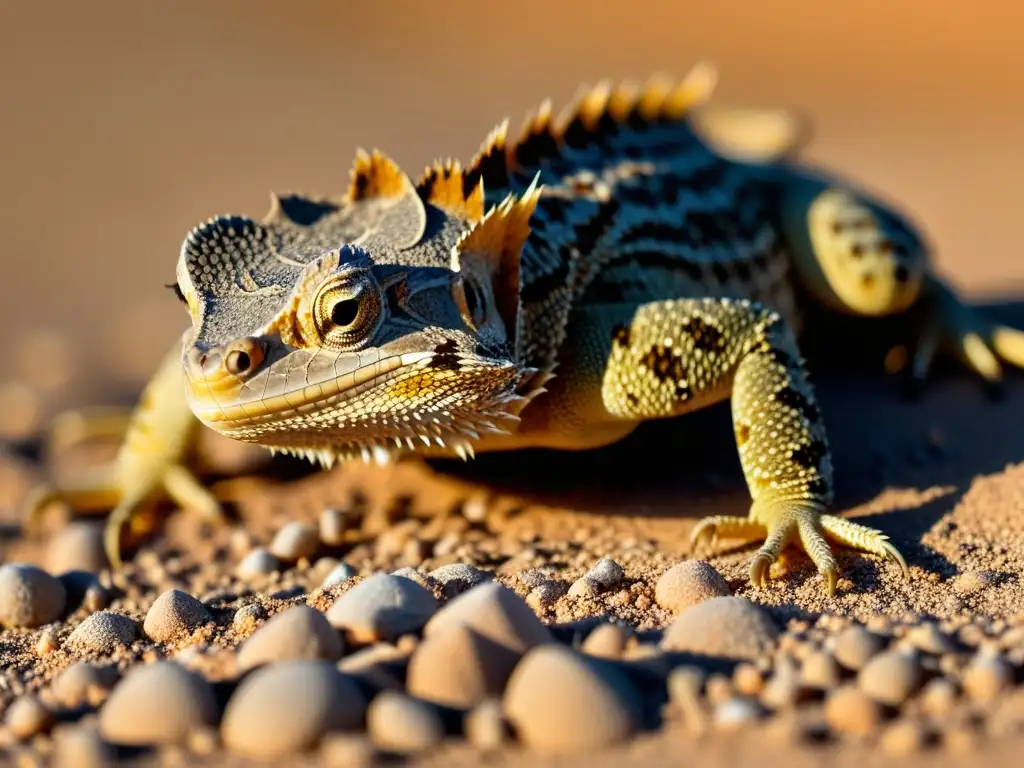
(128, 125)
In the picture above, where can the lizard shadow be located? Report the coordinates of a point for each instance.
(934, 444)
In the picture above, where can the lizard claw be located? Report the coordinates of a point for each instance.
(981, 344)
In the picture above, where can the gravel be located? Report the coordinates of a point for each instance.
(689, 583)
(382, 607)
(728, 627)
(174, 615)
(157, 703)
(103, 633)
(296, 633)
(403, 725)
(29, 596)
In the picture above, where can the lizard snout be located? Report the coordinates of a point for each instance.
(238, 359)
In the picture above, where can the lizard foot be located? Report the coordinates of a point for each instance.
(979, 342)
(782, 523)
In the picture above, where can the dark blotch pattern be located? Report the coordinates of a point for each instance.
(790, 397)
(809, 456)
(706, 337)
(663, 364)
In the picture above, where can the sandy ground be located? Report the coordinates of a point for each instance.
(124, 127)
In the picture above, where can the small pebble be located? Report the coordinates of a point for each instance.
(27, 716)
(345, 750)
(459, 668)
(561, 701)
(928, 638)
(689, 583)
(103, 633)
(546, 594)
(77, 547)
(729, 627)
(856, 645)
(458, 578)
(986, 676)
(971, 581)
(29, 596)
(299, 632)
(47, 642)
(850, 710)
(403, 725)
(819, 671)
(71, 687)
(495, 612)
(174, 615)
(534, 577)
(259, 562)
(747, 679)
(333, 524)
(902, 739)
(287, 707)
(736, 713)
(782, 689)
(890, 677)
(485, 727)
(80, 746)
(248, 616)
(382, 607)
(604, 576)
(158, 703)
(938, 697)
(295, 541)
(606, 641)
(339, 574)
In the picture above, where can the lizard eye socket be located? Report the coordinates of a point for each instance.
(347, 311)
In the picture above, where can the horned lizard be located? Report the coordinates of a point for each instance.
(640, 256)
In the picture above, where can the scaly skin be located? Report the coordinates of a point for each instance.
(639, 257)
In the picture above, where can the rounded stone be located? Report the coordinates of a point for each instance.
(29, 596)
(382, 607)
(333, 524)
(485, 726)
(287, 707)
(856, 645)
(175, 614)
(403, 725)
(158, 703)
(457, 578)
(604, 576)
(819, 670)
(938, 697)
(928, 638)
(986, 676)
(103, 633)
(77, 547)
(27, 716)
(494, 611)
(606, 641)
(689, 583)
(299, 632)
(725, 627)
(295, 541)
(339, 574)
(81, 746)
(560, 701)
(850, 710)
(902, 739)
(459, 668)
(737, 712)
(890, 677)
(259, 562)
(71, 687)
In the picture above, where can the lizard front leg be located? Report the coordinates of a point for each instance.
(152, 461)
(677, 356)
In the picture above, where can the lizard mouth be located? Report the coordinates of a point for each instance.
(395, 405)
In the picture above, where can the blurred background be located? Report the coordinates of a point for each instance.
(124, 124)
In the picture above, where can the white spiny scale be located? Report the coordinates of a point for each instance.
(381, 455)
(366, 454)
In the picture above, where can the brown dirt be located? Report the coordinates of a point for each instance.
(128, 125)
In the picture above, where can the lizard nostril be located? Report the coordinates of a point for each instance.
(238, 362)
(209, 363)
(902, 274)
(244, 357)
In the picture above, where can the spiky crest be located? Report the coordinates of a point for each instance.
(445, 185)
(492, 248)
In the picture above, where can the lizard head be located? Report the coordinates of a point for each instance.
(855, 254)
(378, 323)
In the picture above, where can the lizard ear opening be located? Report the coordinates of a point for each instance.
(490, 252)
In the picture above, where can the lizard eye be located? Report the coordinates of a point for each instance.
(347, 311)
